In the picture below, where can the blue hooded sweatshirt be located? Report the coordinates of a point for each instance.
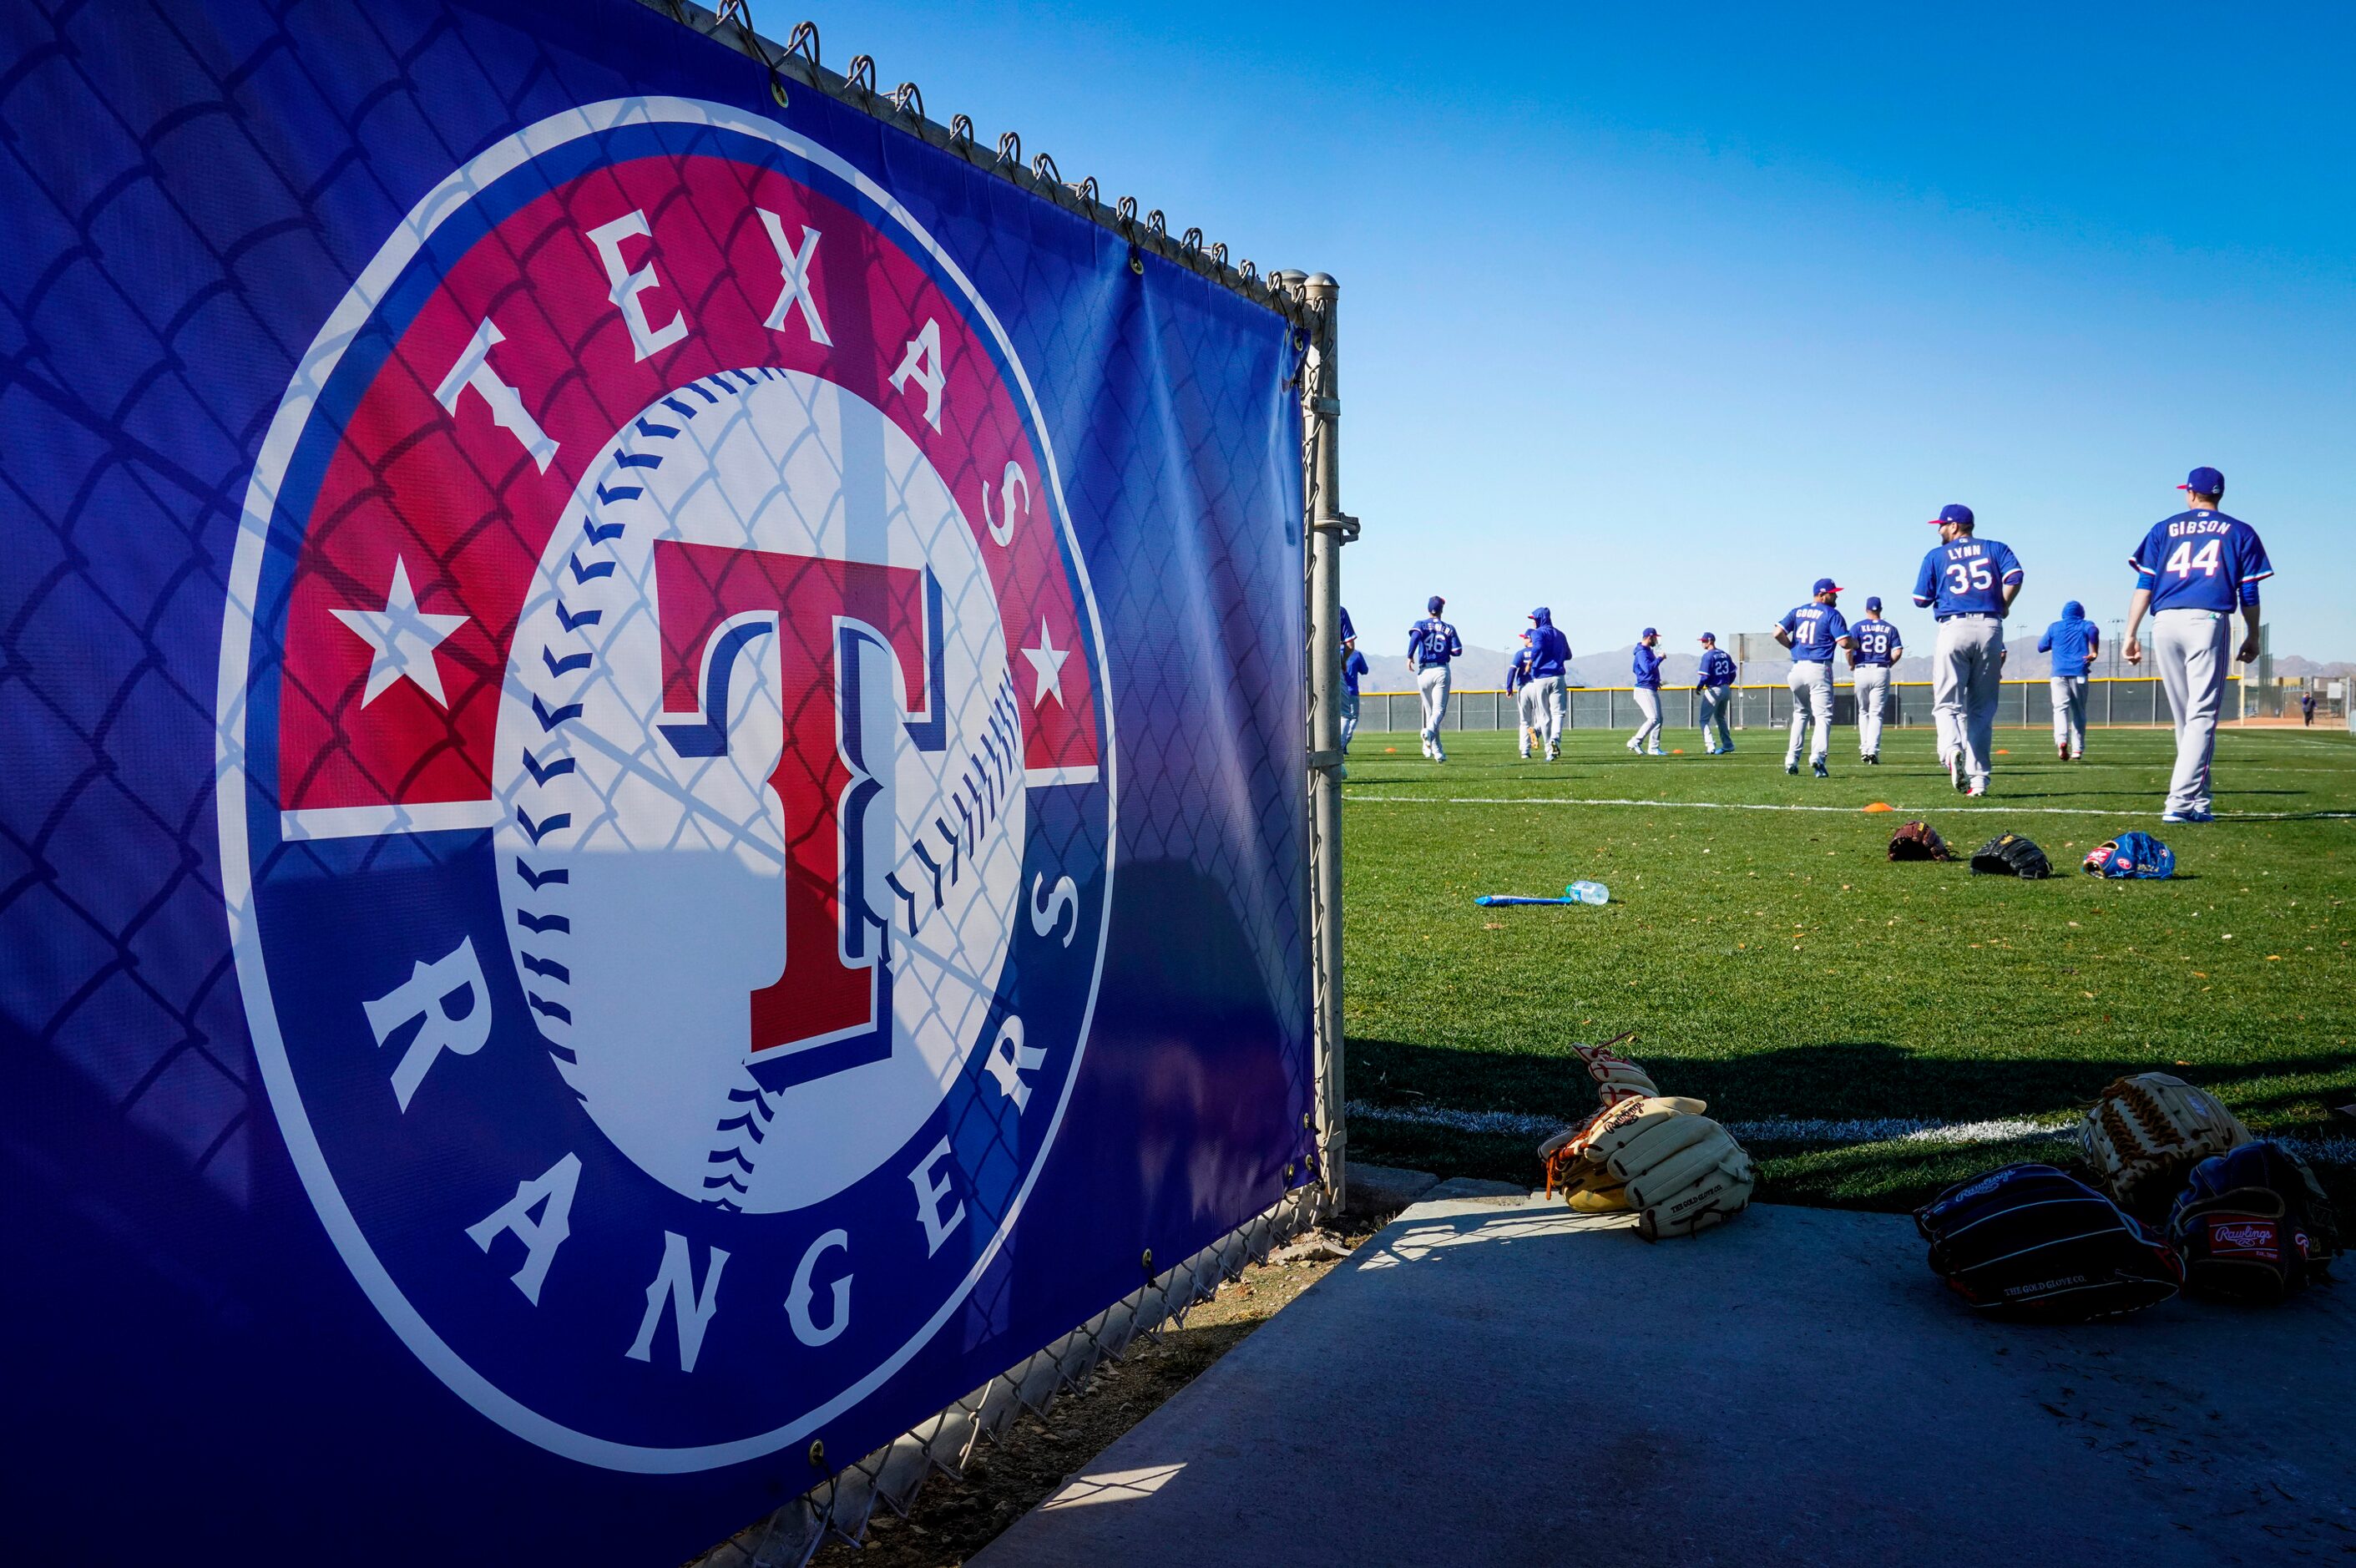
(2069, 640)
(1549, 650)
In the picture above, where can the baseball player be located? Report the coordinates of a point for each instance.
(1354, 664)
(2307, 710)
(1518, 685)
(1431, 642)
(1646, 667)
(2191, 571)
(1877, 651)
(1811, 631)
(2073, 641)
(1549, 666)
(1968, 585)
(1713, 692)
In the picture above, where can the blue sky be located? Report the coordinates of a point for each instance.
(1655, 314)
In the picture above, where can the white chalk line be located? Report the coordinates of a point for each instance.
(1895, 811)
(2332, 1151)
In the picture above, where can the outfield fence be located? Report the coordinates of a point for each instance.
(2123, 701)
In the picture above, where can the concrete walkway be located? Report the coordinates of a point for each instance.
(1502, 1382)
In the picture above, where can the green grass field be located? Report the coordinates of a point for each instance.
(1872, 1031)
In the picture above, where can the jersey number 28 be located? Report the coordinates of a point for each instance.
(2184, 563)
(1959, 580)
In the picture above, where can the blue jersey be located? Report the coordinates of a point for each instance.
(1816, 631)
(1549, 652)
(1431, 642)
(2202, 561)
(1878, 641)
(1354, 664)
(1348, 631)
(1646, 667)
(1717, 668)
(1966, 576)
(1518, 672)
(2070, 641)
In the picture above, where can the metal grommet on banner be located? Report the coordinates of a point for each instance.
(817, 1453)
(1136, 259)
(1147, 1262)
(778, 87)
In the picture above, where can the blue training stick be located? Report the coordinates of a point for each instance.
(1487, 900)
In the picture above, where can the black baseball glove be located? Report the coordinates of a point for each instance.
(2029, 1242)
(2010, 854)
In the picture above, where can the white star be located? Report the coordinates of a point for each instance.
(403, 637)
(1047, 663)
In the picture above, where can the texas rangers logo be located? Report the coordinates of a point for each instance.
(665, 786)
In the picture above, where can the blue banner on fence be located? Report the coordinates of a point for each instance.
(652, 797)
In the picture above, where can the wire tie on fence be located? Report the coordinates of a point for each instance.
(1010, 148)
(961, 133)
(1043, 166)
(804, 33)
(861, 74)
(908, 93)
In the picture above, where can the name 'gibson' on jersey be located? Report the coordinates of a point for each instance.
(2202, 560)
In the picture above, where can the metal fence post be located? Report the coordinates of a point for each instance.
(1329, 529)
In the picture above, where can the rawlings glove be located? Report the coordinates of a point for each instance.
(2131, 854)
(1918, 840)
(2253, 1225)
(2029, 1242)
(2145, 1132)
(2010, 854)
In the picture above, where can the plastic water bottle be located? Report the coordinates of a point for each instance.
(1589, 892)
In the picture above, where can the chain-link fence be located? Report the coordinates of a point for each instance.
(2135, 703)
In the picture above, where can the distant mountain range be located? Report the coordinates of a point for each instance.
(1483, 669)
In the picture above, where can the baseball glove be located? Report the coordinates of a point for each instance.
(2010, 854)
(1680, 1171)
(1616, 1078)
(1919, 841)
(2132, 854)
(2253, 1225)
(2147, 1132)
(2029, 1242)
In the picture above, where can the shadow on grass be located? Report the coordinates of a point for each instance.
(1836, 1079)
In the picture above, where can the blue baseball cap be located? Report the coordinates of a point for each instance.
(1962, 515)
(1826, 585)
(1650, 631)
(1432, 604)
(2205, 482)
(1709, 636)
(1873, 603)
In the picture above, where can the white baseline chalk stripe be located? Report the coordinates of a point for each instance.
(374, 822)
(1895, 811)
(1812, 1130)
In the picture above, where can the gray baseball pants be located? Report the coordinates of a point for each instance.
(2194, 650)
(1966, 676)
(1432, 681)
(1544, 700)
(2070, 713)
(1648, 733)
(1812, 698)
(1873, 681)
(1715, 701)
